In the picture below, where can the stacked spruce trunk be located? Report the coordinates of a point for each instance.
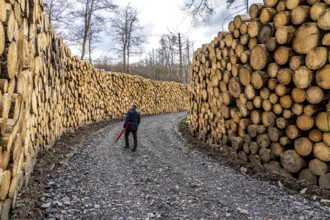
(44, 91)
(261, 90)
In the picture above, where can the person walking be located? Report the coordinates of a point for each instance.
(133, 117)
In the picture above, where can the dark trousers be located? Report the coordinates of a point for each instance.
(134, 137)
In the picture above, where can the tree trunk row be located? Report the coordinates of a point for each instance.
(44, 91)
(261, 90)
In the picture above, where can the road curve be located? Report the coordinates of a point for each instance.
(164, 179)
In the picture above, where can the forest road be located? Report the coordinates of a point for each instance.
(163, 179)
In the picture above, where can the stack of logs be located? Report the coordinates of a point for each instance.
(261, 91)
(45, 92)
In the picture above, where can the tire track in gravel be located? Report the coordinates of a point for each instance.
(164, 179)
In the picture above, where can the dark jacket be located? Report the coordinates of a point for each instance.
(134, 117)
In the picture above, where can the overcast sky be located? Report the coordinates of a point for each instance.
(159, 16)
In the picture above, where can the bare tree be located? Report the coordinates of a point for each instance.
(201, 10)
(60, 15)
(88, 14)
(126, 31)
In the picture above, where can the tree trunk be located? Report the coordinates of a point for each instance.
(303, 77)
(307, 176)
(291, 161)
(307, 37)
(255, 10)
(283, 54)
(266, 31)
(259, 57)
(285, 34)
(318, 167)
(322, 151)
(300, 14)
(323, 77)
(317, 58)
(303, 146)
(282, 19)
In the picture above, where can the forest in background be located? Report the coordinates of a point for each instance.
(84, 23)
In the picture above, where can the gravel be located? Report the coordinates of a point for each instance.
(163, 179)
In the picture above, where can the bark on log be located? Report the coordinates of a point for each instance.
(326, 39)
(323, 77)
(311, 110)
(271, 44)
(297, 109)
(235, 88)
(9, 62)
(285, 34)
(307, 37)
(282, 55)
(322, 151)
(293, 132)
(272, 83)
(252, 43)
(267, 15)
(5, 184)
(284, 76)
(253, 28)
(255, 10)
(315, 135)
(10, 25)
(2, 11)
(318, 167)
(268, 119)
(298, 95)
(296, 62)
(249, 91)
(281, 123)
(324, 181)
(291, 161)
(259, 57)
(2, 38)
(277, 149)
(315, 95)
(257, 102)
(245, 75)
(286, 101)
(292, 4)
(265, 154)
(266, 31)
(322, 121)
(303, 77)
(273, 69)
(254, 148)
(282, 19)
(317, 57)
(326, 138)
(303, 146)
(307, 176)
(300, 14)
(259, 79)
(270, 3)
(274, 134)
(245, 56)
(281, 6)
(317, 10)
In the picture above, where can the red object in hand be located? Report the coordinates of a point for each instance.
(121, 133)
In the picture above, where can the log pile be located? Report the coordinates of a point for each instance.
(261, 90)
(44, 91)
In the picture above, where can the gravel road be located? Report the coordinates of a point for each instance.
(163, 179)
